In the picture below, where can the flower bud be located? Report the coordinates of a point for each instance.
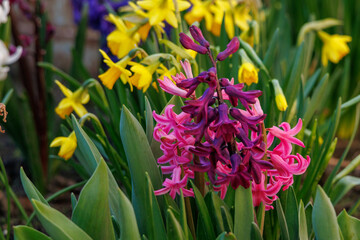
(280, 99)
(198, 36)
(188, 43)
(231, 48)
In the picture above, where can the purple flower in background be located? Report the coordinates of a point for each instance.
(97, 13)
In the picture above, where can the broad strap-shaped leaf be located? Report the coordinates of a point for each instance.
(244, 213)
(324, 217)
(303, 232)
(174, 229)
(57, 225)
(128, 225)
(149, 121)
(140, 160)
(227, 219)
(350, 226)
(255, 232)
(93, 157)
(92, 211)
(154, 221)
(214, 204)
(28, 233)
(282, 221)
(30, 189)
(204, 215)
(291, 214)
(308, 213)
(343, 186)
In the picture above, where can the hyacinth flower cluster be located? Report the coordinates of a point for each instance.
(223, 134)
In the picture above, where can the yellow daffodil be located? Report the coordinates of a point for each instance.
(248, 73)
(160, 10)
(242, 16)
(199, 11)
(73, 101)
(218, 9)
(142, 76)
(334, 48)
(138, 16)
(115, 71)
(164, 72)
(67, 145)
(280, 99)
(192, 53)
(122, 40)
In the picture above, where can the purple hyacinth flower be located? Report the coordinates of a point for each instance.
(231, 48)
(198, 36)
(245, 98)
(247, 122)
(224, 126)
(188, 43)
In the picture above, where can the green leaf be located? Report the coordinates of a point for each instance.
(244, 213)
(30, 190)
(227, 219)
(26, 233)
(350, 226)
(140, 160)
(154, 222)
(73, 201)
(324, 217)
(174, 230)
(343, 186)
(58, 226)
(282, 221)
(255, 232)
(316, 98)
(88, 149)
(348, 169)
(214, 204)
(183, 220)
(226, 236)
(293, 79)
(128, 225)
(308, 213)
(203, 214)
(92, 157)
(92, 212)
(303, 232)
(291, 214)
(149, 121)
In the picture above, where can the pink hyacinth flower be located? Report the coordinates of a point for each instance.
(285, 168)
(286, 137)
(265, 195)
(175, 184)
(170, 87)
(187, 68)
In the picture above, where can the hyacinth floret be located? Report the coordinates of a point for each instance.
(217, 135)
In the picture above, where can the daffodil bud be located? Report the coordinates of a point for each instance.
(231, 48)
(188, 43)
(280, 99)
(198, 36)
